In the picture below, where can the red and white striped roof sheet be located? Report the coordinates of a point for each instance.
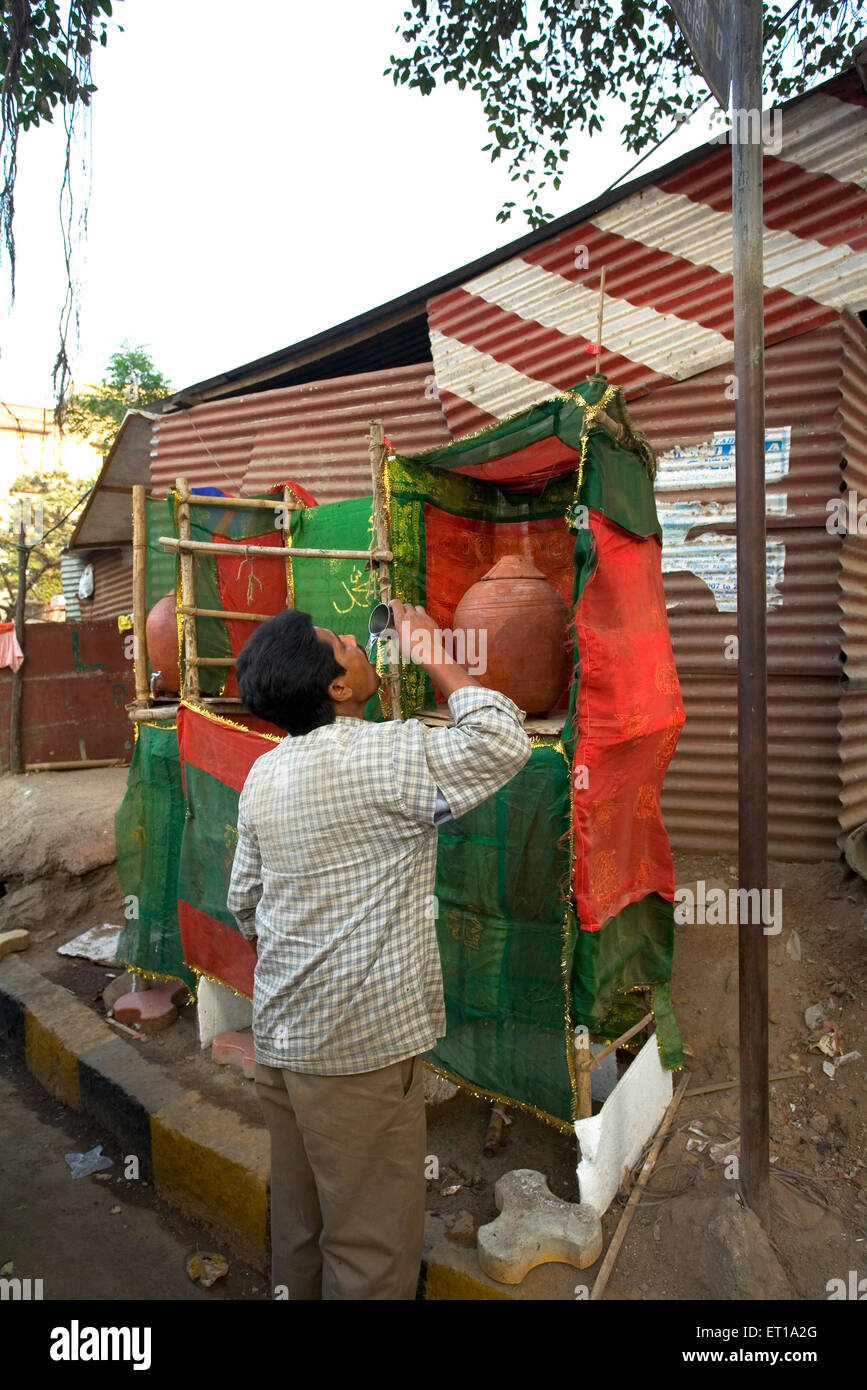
(520, 332)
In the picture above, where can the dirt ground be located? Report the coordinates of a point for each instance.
(818, 1123)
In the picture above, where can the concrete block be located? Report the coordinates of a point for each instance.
(220, 1010)
(234, 1050)
(535, 1228)
(612, 1140)
(214, 1167)
(15, 940)
(151, 1010)
(452, 1274)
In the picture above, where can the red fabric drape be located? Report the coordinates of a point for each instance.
(629, 718)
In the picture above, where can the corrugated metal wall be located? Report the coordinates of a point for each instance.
(804, 390)
(315, 434)
(112, 585)
(853, 578)
(72, 563)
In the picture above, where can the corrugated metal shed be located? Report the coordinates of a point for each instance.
(315, 434)
(519, 331)
(112, 585)
(72, 564)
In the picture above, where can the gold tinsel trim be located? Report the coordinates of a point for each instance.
(158, 975)
(481, 1094)
(203, 974)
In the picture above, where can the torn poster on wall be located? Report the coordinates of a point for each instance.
(698, 532)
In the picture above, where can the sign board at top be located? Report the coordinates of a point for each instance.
(708, 27)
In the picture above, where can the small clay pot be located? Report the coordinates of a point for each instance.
(526, 622)
(161, 634)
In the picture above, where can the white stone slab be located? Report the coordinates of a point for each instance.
(220, 1010)
(612, 1140)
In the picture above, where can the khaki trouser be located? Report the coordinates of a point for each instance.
(347, 1181)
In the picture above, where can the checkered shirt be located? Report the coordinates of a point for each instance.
(334, 873)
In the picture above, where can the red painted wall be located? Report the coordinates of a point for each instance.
(77, 680)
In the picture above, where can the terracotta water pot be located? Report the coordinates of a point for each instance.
(161, 633)
(526, 625)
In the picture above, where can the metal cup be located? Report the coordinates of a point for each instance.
(380, 619)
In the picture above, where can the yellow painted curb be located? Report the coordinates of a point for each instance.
(214, 1170)
(444, 1282)
(57, 1028)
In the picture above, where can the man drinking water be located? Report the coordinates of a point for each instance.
(332, 882)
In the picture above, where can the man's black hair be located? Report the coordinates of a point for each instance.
(284, 672)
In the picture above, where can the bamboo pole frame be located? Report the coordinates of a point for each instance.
(382, 556)
(225, 613)
(197, 499)
(290, 504)
(188, 595)
(185, 545)
(139, 596)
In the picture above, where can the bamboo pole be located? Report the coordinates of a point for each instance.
(72, 766)
(624, 1038)
(225, 613)
(585, 1061)
(382, 556)
(599, 315)
(210, 661)
(139, 600)
(635, 1195)
(197, 499)
(188, 595)
(290, 504)
(153, 712)
(214, 548)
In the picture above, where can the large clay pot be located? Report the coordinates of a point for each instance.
(526, 623)
(161, 632)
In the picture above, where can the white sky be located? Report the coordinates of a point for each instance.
(253, 185)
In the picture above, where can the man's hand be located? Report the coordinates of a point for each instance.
(418, 637)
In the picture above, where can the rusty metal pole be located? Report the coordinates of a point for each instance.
(752, 624)
(15, 758)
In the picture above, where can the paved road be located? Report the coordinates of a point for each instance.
(62, 1230)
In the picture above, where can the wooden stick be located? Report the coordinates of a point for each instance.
(275, 552)
(188, 593)
(377, 451)
(584, 1065)
(290, 504)
(197, 500)
(635, 1195)
(597, 1057)
(225, 613)
(114, 1023)
(599, 321)
(210, 661)
(71, 767)
(154, 712)
(728, 1085)
(139, 600)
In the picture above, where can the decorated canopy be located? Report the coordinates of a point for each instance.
(555, 896)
